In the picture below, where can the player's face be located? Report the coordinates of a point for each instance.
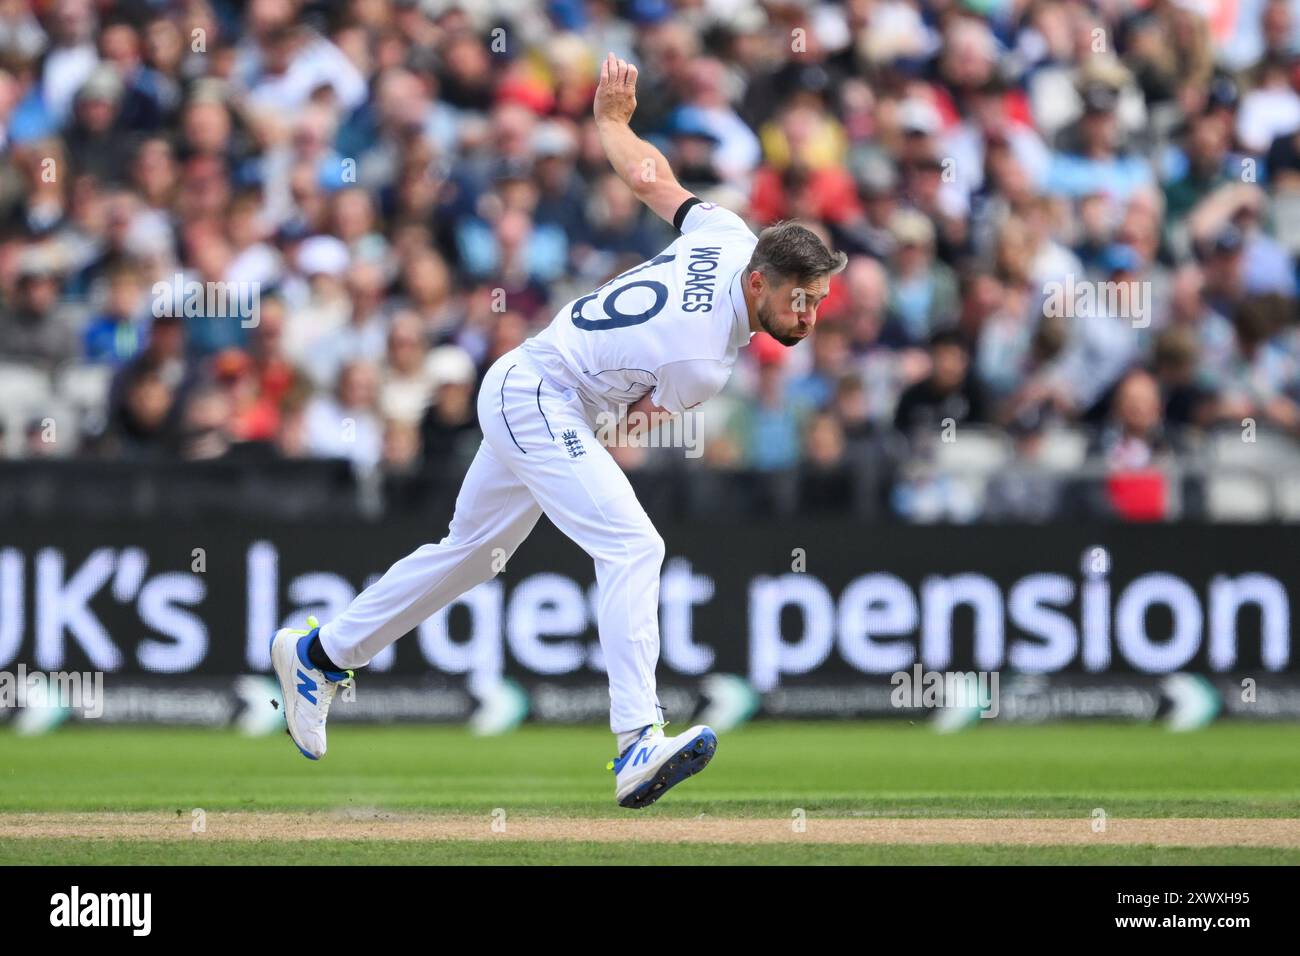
(788, 311)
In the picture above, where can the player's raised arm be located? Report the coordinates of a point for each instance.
(638, 163)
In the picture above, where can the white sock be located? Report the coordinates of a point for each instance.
(627, 738)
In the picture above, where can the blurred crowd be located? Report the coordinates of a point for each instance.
(411, 188)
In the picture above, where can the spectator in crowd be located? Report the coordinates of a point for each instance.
(771, 423)
(364, 336)
(346, 424)
(738, 151)
(1256, 379)
(1204, 165)
(1131, 446)
(34, 329)
(450, 423)
(923, 291)
(1095, 159)
(163, 355)
(117, 334)
(948, 397)
(616, 235)
(406, 380)
(1174, 366)
(1135, 436)
(825, 484)
(830, 361)
(141, 427)
(1029, 490)
(273, 373)
(208, 413)
(401, 448)
(428, 294)
(94, 139)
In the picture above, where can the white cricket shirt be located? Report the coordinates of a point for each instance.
(670, 327)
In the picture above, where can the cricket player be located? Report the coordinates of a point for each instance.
(659, 339)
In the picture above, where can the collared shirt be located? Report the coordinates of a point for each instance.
(741, 333)
(669, 328)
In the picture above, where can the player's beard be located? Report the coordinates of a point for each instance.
(767, 320)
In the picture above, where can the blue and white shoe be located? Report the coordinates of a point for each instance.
(655, 764)
(306, 691)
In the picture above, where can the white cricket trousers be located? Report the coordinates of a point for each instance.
(539, 454)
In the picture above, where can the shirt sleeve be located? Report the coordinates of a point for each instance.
(695, 215)
(687, 383)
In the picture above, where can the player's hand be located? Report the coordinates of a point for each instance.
(616, 92)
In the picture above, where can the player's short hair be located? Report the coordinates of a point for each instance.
(788, 250)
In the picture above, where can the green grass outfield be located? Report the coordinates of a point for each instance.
(765, 770)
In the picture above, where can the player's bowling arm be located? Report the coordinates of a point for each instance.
(645, 416)
(643, 167)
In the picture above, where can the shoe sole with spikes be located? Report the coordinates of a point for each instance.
(683, 764)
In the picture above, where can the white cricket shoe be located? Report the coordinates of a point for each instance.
(655, 763)
(306, 691)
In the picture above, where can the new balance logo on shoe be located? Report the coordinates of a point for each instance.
(305, 687)
(644, 755)
(573, 444)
